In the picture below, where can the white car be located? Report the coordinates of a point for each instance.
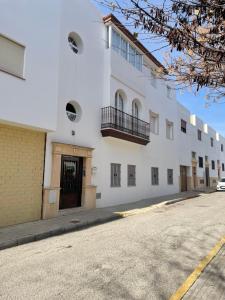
(221, 185)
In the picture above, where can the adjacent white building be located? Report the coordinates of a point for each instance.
(94, 125)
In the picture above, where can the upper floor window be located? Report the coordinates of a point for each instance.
(119, 102)
(135, 109)
(11, 56)
(126, 50)
(183, 126)
(199, 135)
(193, 154)
(213, 165)
(223, 167)
(200, 162)
(169, 130)
(211, 141)
(154, 123)
(221, 147)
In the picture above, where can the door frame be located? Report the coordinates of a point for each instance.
(80, 176)
(52, 193)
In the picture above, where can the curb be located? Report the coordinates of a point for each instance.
(55, 232)
(180, 200)
(80, 226)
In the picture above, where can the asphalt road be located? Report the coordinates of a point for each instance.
(147, 256)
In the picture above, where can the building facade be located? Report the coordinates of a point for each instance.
(84, 120)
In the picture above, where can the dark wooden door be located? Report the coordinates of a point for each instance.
(183, 178)
(207, 176)
(71, 182)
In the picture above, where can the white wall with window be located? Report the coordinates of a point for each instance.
(29, 62)
(126, 50)
(154, 122)
(169, 130)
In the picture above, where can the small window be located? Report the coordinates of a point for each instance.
(71, 112)
(170, 176)
(221, 147)
(211, 141)
(223, 167)
(115, 175)
(169, 130)
(199, 135)
(154, 123)
(193, 154)
(213, 165)
(131, 175)
(183, 126)
(200, 162)
(11, 56)
(155, 176)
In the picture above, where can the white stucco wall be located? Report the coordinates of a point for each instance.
(35, 24)
(55, 75)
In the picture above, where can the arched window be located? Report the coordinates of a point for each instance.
(119, 103)
(135, 110)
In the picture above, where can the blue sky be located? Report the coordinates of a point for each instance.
(214, 115)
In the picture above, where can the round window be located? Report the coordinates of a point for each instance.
(71, 112)
(73, 44)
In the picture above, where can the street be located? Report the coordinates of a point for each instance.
(146, 256)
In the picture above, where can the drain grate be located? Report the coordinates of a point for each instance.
(75, 221)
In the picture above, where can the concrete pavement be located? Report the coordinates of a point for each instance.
(145, 256)
(211, 283)
(76, 219)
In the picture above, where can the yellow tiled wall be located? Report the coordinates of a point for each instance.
(21, 174)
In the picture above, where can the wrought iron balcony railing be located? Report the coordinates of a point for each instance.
(119, 124)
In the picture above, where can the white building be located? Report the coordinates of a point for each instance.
(87, 85)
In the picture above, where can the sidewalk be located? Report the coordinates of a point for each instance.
(211, 283)
(77, 219)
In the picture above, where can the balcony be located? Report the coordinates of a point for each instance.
(118, 124)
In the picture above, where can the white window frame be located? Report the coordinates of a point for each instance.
(115, 175)
(169, 130)
(16, 63)
(155, 117)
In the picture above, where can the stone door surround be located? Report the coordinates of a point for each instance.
(88, 198)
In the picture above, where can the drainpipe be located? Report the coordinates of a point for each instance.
(43, 177)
